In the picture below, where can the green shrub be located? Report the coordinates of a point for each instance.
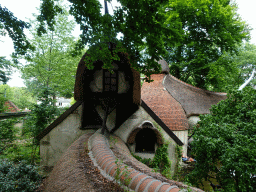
(161, 159)
(224, 143)
(41, 115)
(160, 162)
(39, 118)
(19, 177)
(2, 101)
(143, 160)
(7, 133)
(19, 152)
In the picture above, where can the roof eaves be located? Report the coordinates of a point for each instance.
(58, 120)
(161, 123)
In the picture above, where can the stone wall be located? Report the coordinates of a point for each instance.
(137, 120)
(57, 141)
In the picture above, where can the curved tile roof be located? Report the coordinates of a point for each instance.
(194, 100)
(163, 104)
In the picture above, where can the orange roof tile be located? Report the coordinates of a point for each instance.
(163, 104)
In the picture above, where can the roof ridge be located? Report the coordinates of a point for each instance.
(57, 121)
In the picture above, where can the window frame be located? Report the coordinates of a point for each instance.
(109, 77)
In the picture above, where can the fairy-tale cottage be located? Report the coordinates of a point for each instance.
(109, 100)
(177, 103)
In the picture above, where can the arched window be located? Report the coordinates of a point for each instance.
(145, 141)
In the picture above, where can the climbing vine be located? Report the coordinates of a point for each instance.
(178, 155)
(161, 160)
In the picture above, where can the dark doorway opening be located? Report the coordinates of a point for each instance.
(145, 141)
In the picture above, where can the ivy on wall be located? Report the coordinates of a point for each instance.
(161, 161)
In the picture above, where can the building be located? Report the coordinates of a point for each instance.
(11, 107)
(177, 103)
(114, 103)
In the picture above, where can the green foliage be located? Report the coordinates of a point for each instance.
(6, 90)
(224, 143)
(19, 152)
(232, 68)
(73, 101)
(143, 160)
(7, 133)
(125, 173)
(19, 177)
(41, 115)
(141, 33)
(161, 160)
(2, 101)
(14, 28)
(22, 98)
(224, 72)
(178, 155)
(51, 64)
(39, 118)
(190, 34)
(209, 29)
(5, 70)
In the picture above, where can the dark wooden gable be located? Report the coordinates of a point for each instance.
(127, 103)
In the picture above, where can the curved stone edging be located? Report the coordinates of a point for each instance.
(104, 158)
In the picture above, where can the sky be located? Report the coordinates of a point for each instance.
(23, 10)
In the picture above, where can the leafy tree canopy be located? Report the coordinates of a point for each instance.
(246, 60)
(11, 25)
(209, 29)
(5, 70)
(51, 64)
(194, 32)
(224, 142)
(139, 31)
(20, 96)
(232, 68)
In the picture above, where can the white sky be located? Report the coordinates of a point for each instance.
(23, 9)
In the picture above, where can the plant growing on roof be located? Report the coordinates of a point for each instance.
(125, 173)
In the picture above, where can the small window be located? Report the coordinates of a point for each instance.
(145, 141)
(110, 83)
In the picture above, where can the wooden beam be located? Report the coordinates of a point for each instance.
(12, 115)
